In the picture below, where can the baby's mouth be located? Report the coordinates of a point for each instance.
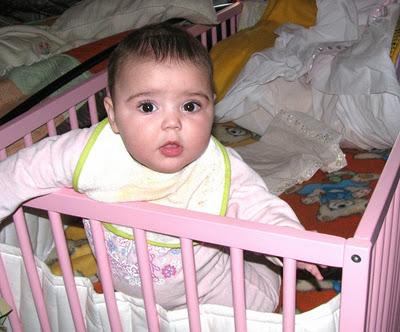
(171, 149)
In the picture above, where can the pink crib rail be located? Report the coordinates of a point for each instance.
(190, 226)
(379, 231)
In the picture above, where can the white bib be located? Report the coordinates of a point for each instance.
(107, 172)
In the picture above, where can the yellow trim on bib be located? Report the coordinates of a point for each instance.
(85, 153)
(227, 182)
(118, 232)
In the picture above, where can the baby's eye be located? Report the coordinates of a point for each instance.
(191, 107)
(147, 107)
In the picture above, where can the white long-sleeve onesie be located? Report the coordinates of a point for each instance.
(49, 165)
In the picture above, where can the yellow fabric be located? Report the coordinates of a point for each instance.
(82, 259)
(395, 50)
(230, 55)
(302, 12)
(75, 233)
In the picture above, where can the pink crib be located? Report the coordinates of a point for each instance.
(370, 260)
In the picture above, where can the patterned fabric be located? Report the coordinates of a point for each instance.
(333, 203)
(165, 262)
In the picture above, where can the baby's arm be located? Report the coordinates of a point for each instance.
(39, 169)
(251, 200)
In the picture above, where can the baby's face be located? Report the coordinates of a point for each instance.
(163, 112)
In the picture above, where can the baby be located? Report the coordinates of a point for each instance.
(156, 145)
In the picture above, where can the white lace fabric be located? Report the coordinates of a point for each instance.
(293, 148)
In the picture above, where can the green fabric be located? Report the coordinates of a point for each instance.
(30, 79)
(85, 153)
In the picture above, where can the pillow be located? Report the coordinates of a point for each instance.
(230, 55)
(95, 19)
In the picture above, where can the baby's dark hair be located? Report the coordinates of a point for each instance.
(160, 42)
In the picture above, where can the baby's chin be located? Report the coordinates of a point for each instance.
(167, 167)
(170, 169)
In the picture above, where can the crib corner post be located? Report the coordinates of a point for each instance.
(355, 278)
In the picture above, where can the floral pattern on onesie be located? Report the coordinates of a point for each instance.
(165, 262)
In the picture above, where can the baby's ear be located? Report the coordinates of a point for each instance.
(109, 106)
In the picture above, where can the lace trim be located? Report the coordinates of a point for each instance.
(321, 135)
(304, 176)
(300, 127)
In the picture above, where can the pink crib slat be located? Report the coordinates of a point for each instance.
(395, 306)
(239, 297)
(73, 119)
(3, 154)
(379, 255)
(214, 36)
(384, 286)
(51, 128)
(105, 275)
(146, 279)
(392, 262)
(203, 38)
(30, 266)
(289, 294)
(223, 30)
(374, 286)
(66, 268)
(5, 292)
(384, 264)
(233, 25)
(393, 273)
(190, 284)
(93, 109)
(28, 140)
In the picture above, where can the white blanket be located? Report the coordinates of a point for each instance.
(25, 44)
(293, 148)
(337, 71)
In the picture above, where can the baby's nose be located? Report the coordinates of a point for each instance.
(172, 120)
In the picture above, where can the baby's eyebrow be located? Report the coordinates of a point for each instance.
(199, 94)
(140, 94)
(189, 94)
